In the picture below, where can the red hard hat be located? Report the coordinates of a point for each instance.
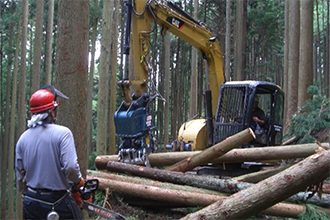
(42, 100)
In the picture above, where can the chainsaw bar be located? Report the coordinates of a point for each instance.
(101, 211)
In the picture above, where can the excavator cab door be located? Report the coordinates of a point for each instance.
(235, 112)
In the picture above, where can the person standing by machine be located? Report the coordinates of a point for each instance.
(46, 160)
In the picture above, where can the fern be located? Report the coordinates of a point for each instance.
(312, 117)
(313, 212)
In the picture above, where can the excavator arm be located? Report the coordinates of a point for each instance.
(133, 119)
(145, 15)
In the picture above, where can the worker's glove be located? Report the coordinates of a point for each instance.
(80, 184)
(75, 192)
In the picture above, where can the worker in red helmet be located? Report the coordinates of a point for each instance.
(46, 162)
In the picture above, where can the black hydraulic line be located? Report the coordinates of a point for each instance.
(174, 7)
(128, 5)
(126, 49)
(209, 117)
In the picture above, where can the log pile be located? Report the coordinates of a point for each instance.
(279, 192)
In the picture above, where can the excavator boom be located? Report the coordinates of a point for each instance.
(224, 115)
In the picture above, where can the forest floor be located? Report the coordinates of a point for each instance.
(134, 212)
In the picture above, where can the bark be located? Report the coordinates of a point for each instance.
(233, 156)
(239, 74)
(260, 175)
(49, 42)
(306, 51)
(183, 198)
(167, 45)
(328, 33)
(90, 88)
(286, 63)
(149, 182)
(21, 108)
(113, 80)
(227, 53)
(35, 81)
(9, 161)
(8, 114)
(177, 177)
(293, 62)
(267, 193)
(213, 152)
(194, 75)
(72, 71)
(102, 100)
(215, 184)
(178, 198)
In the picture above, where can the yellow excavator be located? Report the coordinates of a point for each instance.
(228, 104)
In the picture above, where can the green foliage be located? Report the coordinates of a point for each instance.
(91, 160)
(313, 212)
(312, 117)
(99, 197)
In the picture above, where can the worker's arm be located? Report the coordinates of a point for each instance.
(259, 121)
(20, 172)
(69, 158)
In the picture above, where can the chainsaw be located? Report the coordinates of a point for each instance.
(86, 191)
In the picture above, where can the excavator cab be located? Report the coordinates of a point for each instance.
(235, 112)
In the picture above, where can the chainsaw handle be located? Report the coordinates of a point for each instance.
(90, 185)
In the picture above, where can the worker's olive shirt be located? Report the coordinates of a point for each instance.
(48, 156)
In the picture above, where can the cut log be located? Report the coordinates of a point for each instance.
(234, 156)
(148, 182)
(214, 184)
(290, 140)
(268, 192)
(205, 182)
(260, 175)
(177, 198)
(183, 198)
(214, 152)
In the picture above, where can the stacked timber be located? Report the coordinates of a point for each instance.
(272, 192)
(257, 154)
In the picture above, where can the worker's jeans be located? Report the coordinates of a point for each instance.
(37, 204)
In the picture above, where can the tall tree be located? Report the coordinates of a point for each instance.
(175, 87)
(306, 51)
(102, 97)
(10, 107)
(194, 75)
(328, 34)
(293, 65)
(49, 41)
(286, 63)
(20, 105)
(228, 34)
(239, 72)
(13, 110)
(167, 73)
(5, 144)
(91, 77)
(35, 79)
(113, 79)
(71, 71)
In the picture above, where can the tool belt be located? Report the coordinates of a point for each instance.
(46, 192)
